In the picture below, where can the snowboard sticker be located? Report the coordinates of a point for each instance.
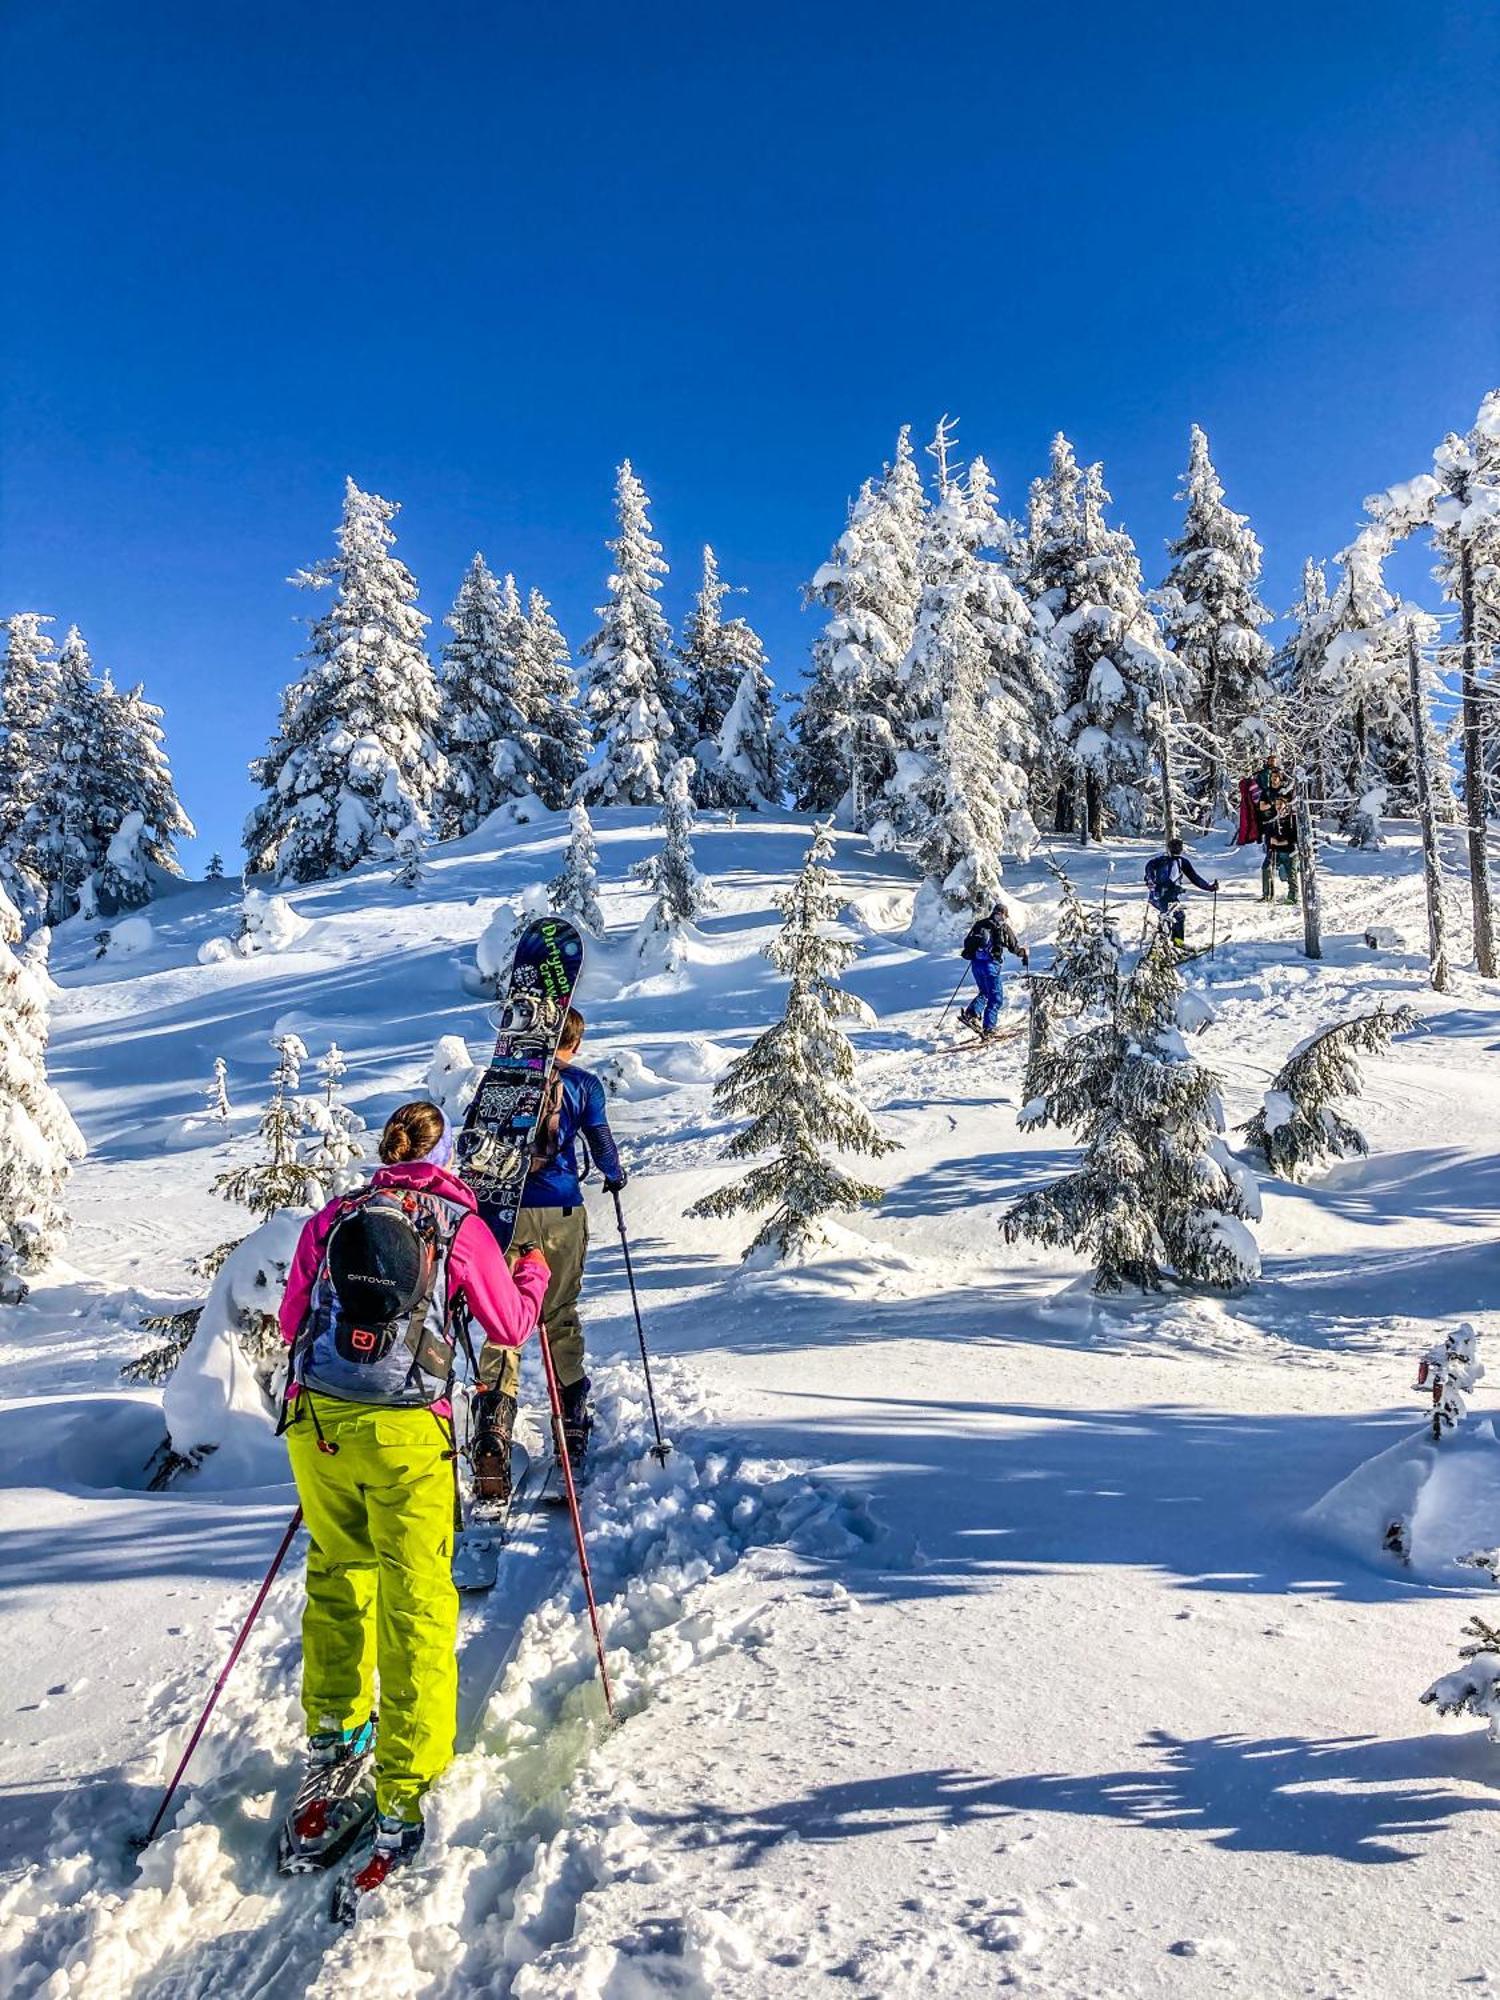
(493, 1153)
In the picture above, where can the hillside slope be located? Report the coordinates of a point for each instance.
(969, 1640)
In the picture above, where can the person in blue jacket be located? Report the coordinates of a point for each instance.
(985, 947)
(552, 1218)
(1164, 877)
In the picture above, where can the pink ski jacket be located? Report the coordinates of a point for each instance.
(507, 1307)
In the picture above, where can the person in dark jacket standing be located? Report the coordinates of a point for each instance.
(552, 1219)
(984, 947)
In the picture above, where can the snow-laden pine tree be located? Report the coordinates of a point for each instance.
(575, 892)
(1313, 723)
(216, 1096)
(354, 762)
(679, 889)
(1214, 619)
(38, 1139)
(554, 735)
(280, 1178)
(795, 1083)
(338, 1136)
(749, 764)
(484, 702)
(728, 709)
(1117, 683)
(1299, 1124)
(870, 587)
(28, 699)
(140, 814)
(628, 696)
(1156, 1191)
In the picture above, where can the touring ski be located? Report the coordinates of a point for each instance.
(489, 1526)
(494, 1147)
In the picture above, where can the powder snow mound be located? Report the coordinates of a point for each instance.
(1437, 1502)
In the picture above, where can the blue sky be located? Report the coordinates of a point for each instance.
(475, 254)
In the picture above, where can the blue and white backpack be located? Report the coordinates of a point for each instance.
(379, 1327)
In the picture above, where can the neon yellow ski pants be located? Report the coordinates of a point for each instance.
(380, 1593)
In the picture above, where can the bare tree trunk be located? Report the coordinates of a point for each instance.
(1168, 805)
(1093, 810)
(1479, 853)
(1432, 869)
(1307, 868)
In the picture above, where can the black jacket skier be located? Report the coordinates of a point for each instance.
(1164, 878)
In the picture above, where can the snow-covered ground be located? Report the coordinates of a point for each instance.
(968, 1641)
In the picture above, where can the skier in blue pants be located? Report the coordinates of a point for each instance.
(984, 948)
(1164, 878)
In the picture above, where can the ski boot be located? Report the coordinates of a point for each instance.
(494, 1415)
(577, 1423)
(391, 1845)
(969, 1019)
(334, 1802)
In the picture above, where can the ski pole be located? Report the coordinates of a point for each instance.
(660, 1449)
(554, 1396)
(1213, 935)
(951, 998)
(218, 1687)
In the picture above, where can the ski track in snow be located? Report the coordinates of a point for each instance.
(974, 1638)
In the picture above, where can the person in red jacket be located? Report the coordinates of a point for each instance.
(369, 1308)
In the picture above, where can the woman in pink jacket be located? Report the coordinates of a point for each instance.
(369, 1312)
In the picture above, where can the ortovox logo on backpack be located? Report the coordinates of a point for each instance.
(378, 1328)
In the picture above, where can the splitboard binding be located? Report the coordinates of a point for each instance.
(334, 1804)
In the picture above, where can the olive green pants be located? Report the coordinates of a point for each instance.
(380, 1595)
(562, 1236)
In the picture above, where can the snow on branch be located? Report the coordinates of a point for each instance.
(1298, 1124)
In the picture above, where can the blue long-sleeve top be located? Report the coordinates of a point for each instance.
(581, 1114)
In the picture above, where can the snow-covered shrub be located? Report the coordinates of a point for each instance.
(216, 1096)
(452, 1077)
(266, 923)
(38, 1139)
(411, 860)
(216, 1399)
(131, 936)
(1474, 1688)
(575, 892)
(670, 872)
(796, 1081)
(1157, 1190)
(1298, 1125)
(1446, 1373)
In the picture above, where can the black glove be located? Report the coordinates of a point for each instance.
(1215, 888)
(1025, 956)
(614, 1186)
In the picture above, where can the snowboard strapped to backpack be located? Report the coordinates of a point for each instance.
(379, 1329)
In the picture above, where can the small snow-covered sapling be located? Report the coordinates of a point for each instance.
(1474, 1688)
(1446, 1374)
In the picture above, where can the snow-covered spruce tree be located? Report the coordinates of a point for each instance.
(1311, 722)
(355, 761)
(1474, 1688)
(679, 888)
(1298, 1125)
(575, 892)
(870, 586)
(954, 792)
(280, 1178)
(750, 757)
(216, 1096)
(484, 702)
(709, 670)
(214, 872)
(628, 697)
(28, 699)
(554, 736)
(1115, 677)
(137, 804)
(1083, 984)
(338, 1140)
(796, 1082)
(1157, 1191)
(1213, 618)
(38, 1139)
